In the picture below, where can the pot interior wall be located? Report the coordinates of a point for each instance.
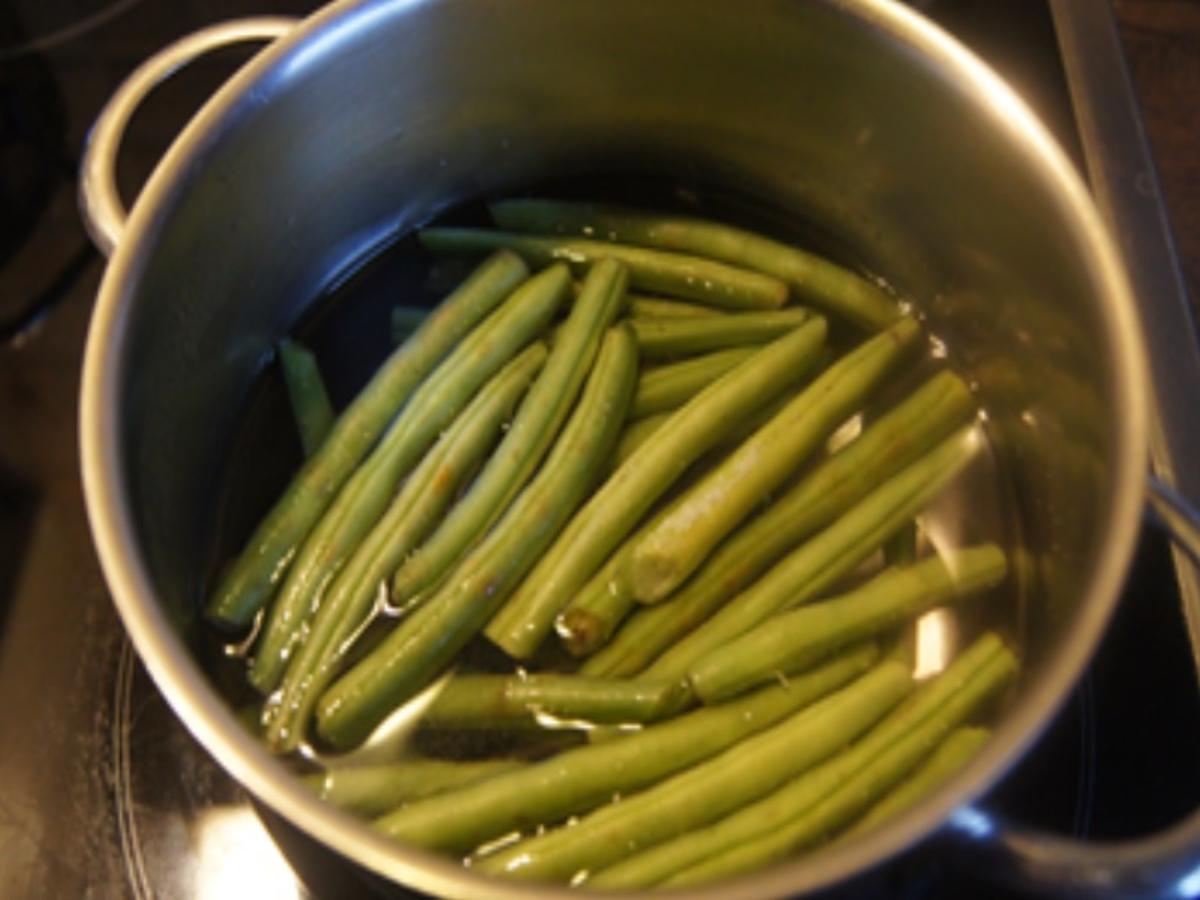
(409, 108)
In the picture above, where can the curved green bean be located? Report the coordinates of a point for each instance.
(827, 799)
(898, 438)
(677, 546)
(306, 394)
(672, 338)
(616, 507)
(256, 572)
(951, 755)
(422, 644)
(935, 708)
(789, 641)
(829, 555)
(364, 497)
(530, 435)
(750, 769)
(585, 777)
(590, 619)
(687, 277)
(669, 386)
(425, 495)
(812, 278)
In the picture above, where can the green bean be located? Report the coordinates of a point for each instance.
(901, 548)
(502, 701)
(592, 615)
(935, 708)
(669, 386)
(951, 755)
(789, 641)
(643, 307)
(637, 433)
(307, 395)
(585, 777)
(361, 501)
(829, 555)
(647, 306)
(616, 507)
(740, 775)
(679, 544)
(598, 607)
(812, 279)
(895, 440)
(422, 644)
(373, 790)
(590, 619)
(253, 577)
(686, 277)
(672, 338)
(530, 435)
(404, 321)
(826, 800)
(409, 517)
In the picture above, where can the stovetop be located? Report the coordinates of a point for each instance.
(103, 793)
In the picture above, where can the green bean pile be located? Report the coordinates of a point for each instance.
(643, 513)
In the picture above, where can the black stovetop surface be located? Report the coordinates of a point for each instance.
(104, 794)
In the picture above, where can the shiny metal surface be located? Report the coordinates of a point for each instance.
(1160, 866)
(99, 201)
(1118, 159)
(859, 116)
(1129, 197)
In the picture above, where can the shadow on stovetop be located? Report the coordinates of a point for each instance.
(18, 507)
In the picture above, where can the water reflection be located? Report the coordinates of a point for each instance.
(237, 860)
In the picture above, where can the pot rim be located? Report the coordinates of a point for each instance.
(187, 689)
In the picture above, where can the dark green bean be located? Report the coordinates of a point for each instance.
(951, 755)
(404, 321)
(307, 395)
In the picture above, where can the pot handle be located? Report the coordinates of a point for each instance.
(1161, 865)
(99, 201)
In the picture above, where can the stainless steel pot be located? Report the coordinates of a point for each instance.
(861, 116)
